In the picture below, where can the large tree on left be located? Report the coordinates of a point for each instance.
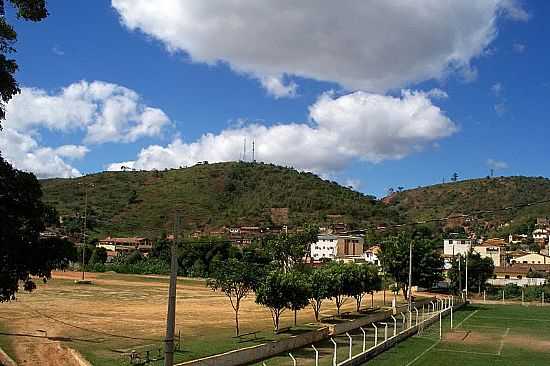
(22, 217)
(33, 10)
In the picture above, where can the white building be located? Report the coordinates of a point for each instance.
(540, 235)
(532, 258)
(337, 247)
(494, 251)
(371, 255)
(456, 246)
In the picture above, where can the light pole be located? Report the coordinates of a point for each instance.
(410, 272)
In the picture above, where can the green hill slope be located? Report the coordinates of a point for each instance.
(209, 196)
(478, 194)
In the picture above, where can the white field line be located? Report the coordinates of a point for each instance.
(467, 352)
(466, 318)
(423, 353)
(516, 319)
(502, 341)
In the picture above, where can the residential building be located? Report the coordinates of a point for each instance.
(517, 238)
(334, 247)
(371, 255)
(540, 236)
(531, 258)
(125, 245)
(520, 274)
(456, 247)
(494, 249)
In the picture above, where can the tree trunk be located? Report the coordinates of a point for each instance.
(372, 299)
(358, 303)
(237, 321)
(295, 316)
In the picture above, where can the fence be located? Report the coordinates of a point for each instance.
(386, 334)
(517, 281)
(503, 298)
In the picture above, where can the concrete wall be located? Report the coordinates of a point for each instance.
(261, 351)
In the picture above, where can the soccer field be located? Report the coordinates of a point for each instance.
(482, 335)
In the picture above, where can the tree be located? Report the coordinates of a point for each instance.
(99, 255)
(289, 249)
(33, 10)
(427, 264)
(479, 271)
(299, 292)
(235, 279)
(340, 274)
(320, 289)
(23, 215)
(454, 177)
(356, 282)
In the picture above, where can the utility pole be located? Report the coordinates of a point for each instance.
(171, 316)
(84, 226)
(410, 272)
(467, 276)
(460, 274)
(253, 151)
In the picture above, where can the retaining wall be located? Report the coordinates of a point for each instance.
(261, 351)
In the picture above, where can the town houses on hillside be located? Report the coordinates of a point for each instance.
(115, 246)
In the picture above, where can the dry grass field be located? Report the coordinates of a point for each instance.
(119, 313)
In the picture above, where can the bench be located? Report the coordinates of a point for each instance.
(245, 337)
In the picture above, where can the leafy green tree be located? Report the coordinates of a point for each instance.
(479, 271)
(236, 279)
(99, 256)
(289, 249)
(427, 264)
(299, 292)
(274, 293)
(22, 217)
(362, 279)
(340, 274)
(320, 286)
(33, 10)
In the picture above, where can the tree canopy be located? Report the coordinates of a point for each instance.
(427, 263)
(33, 10)
(22, 253)
(479, 271)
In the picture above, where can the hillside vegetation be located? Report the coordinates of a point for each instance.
(209, 197)
(474, 195)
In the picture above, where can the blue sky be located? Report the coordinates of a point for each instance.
(171, 74)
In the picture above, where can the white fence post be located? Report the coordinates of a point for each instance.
(293, 359)
(410, 318)
(522, 297)
(416, 310)
(542, 297)
(364, 338)
(334, 357)
(440, 329)
(394, 325)
(316, 355)
(375, 334)
(503, 296)
(350, 345)
(423, 313)
(404, 319)
(451, 317)
(484, 296)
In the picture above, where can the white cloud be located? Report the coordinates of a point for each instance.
(58, 51)
(359, 125)
(496, 89)
(519, 47)
(513, 10)
(437, 93)
(107, 112)
(368, 45)
(276, 87)
(24, 152)
(355, 184)
(496, 164)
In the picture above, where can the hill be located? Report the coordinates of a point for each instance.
(209, 197)
(467, 196)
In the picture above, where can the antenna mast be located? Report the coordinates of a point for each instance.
(253, 151)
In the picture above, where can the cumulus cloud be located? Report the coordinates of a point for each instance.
(277, 87)
(373, 46)
(360, 125)
(496, 164)
(26, 154)
(107, 112)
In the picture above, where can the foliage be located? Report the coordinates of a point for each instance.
(23, 215)
(202, 193)
(99, 255)
(427, 264)
(321, 288)
(290, 249)
(236, 279)
(33, 10)
(479, 271)
(340, 275)
(282, 290)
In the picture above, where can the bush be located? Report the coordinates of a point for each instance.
(512, 290)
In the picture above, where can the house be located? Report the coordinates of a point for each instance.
(371, 255)
(520, 274)
(540, 236)
(453, 247)
(125, 245)
(517, 238)
(494, 249)
(531, 258)
(337, 247)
